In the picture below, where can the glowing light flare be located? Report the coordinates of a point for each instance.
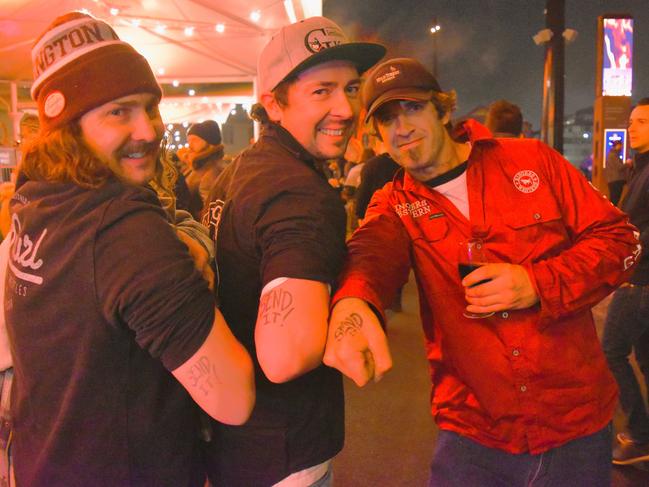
(435, 29)
(255, 15)
(290, 11)
(220, 28)
(189, 31)
(311, 8)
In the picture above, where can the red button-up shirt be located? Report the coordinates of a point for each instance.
(522, 380)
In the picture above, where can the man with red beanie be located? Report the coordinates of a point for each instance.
(521, 390)
(112, 330)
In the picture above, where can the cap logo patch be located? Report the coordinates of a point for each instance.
(526, 181)
(54, 104)
(389, 76)
(320, 39)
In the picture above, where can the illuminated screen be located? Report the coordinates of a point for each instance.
(617, 74)
(611, 137)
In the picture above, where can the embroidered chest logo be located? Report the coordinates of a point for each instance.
(526, 181)
(415, 209)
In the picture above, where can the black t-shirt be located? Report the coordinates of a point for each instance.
(448, 176)
(100, 294)
(273, 214)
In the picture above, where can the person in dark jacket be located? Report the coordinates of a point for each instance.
(626, 328)
(203, 162)
(376, 172)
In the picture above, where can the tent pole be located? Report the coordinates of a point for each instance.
(14, 115)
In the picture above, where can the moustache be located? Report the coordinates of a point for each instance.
(133, 147)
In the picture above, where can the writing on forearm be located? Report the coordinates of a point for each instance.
(349, 326)
(275, 307)
(202, 375)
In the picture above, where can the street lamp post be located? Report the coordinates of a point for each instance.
(434, 30)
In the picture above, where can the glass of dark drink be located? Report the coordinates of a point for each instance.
(472, 255)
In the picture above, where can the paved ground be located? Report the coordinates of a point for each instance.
(390, 433)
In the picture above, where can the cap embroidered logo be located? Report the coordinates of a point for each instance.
(389, 76)
(54, 104)
(320, 39)
(526, 181)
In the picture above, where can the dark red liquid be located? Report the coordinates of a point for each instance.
(466, 269)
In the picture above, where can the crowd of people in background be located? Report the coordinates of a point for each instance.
(187, 318)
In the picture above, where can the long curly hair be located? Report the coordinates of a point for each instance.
(62, 156)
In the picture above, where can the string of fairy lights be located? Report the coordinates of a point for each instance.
(120, 14)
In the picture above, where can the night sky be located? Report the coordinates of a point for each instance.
(485, 47)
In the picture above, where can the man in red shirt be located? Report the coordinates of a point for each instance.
(523, 393)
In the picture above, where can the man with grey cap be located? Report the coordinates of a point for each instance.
(521, 391)
(279, 230)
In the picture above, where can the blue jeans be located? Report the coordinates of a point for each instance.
(461, 462)
(627, 329)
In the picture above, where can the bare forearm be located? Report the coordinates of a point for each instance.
(291, 329)
(220, 376)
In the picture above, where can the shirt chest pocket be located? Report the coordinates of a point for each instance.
(532, 231)
(427, 229)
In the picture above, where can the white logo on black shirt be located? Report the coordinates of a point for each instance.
(23, 257)
(212, 217)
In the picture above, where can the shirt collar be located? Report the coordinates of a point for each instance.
(290, 143)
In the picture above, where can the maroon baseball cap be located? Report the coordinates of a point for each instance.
(397, 79)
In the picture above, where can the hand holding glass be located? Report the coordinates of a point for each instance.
(471, 256)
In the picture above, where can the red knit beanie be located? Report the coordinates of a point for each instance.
(79, 64)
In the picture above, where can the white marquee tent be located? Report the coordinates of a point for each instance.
(189, 44)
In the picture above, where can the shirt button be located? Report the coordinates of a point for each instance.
(516, 352)
(523, 388)
(537, 216)
(505, 314)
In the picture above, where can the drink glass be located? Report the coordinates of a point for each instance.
(471, 256)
